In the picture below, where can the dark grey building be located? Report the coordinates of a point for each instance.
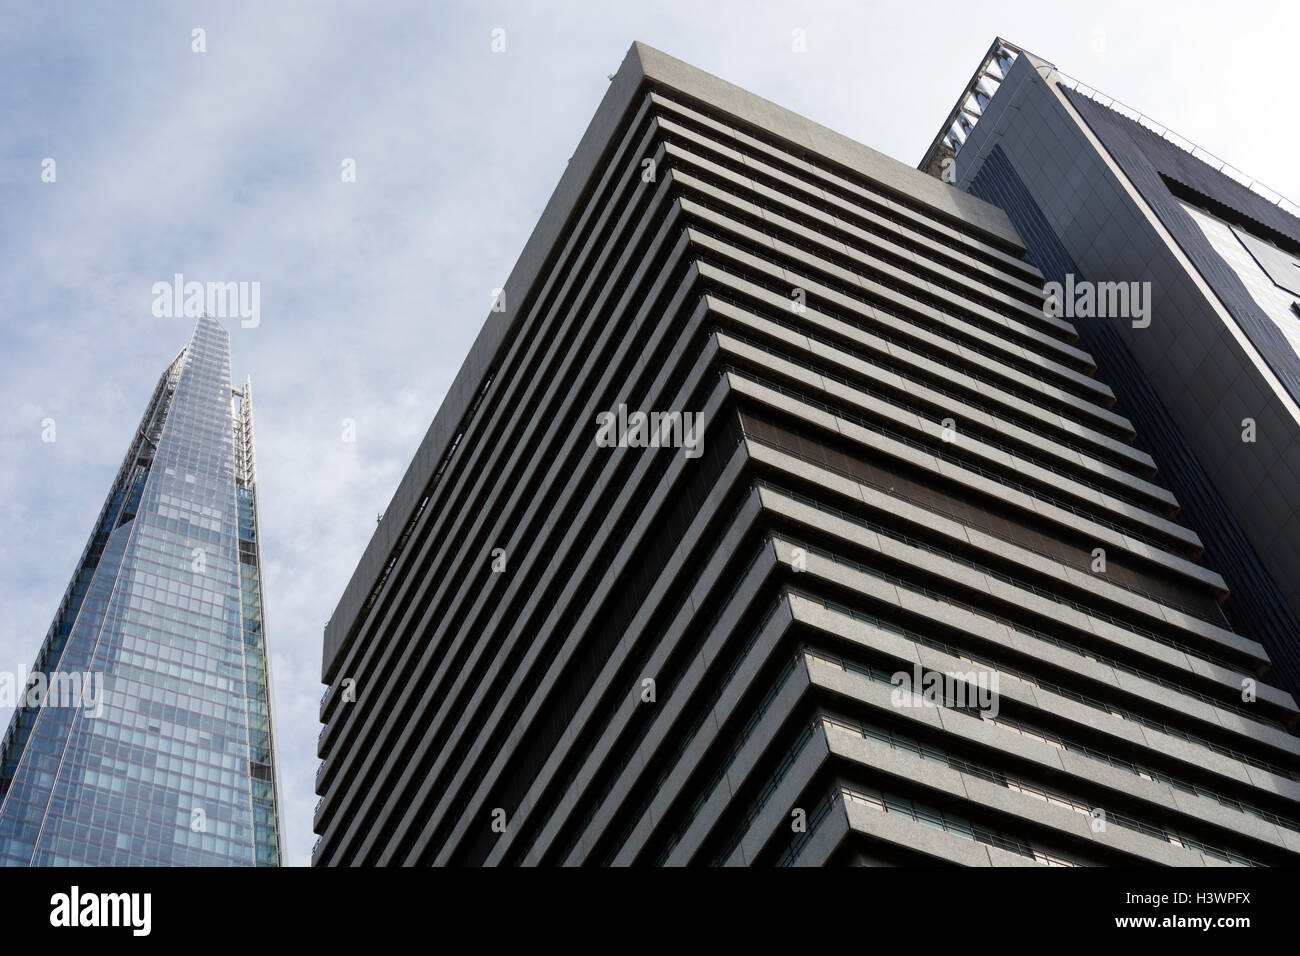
(884, 579)
(1211, 378)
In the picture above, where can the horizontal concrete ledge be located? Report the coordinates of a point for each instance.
(804, 134)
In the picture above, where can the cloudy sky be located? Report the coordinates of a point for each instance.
(225, 165)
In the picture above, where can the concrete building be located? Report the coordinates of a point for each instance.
(890, 583)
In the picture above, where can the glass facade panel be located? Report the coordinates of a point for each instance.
(1276, 300)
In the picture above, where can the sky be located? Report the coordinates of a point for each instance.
(227, 165)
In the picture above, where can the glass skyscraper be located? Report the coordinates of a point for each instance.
(144, 736)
